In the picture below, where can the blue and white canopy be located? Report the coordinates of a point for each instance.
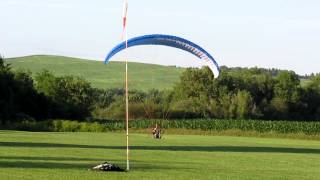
(172, 41)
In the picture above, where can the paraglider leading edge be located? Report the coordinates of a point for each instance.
(171, 41)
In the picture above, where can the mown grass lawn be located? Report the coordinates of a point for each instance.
(32, 155)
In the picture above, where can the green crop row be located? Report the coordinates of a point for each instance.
(310, 128)
(284, 127)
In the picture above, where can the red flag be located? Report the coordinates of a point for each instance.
(125, 10)
(124, 19)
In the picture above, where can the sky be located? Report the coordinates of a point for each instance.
(281, 34)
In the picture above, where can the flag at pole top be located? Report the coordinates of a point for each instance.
(124, 17)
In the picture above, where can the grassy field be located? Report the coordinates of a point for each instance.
(141, 76)
(304, 82)
(32, 155)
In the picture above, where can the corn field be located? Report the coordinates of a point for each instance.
(284, 127)
(309, 128)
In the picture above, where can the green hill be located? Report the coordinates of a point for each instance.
(141, 76)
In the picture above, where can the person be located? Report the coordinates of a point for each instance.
(156, 132)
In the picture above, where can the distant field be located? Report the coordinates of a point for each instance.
(141, 76)
(304, 82)
(33, 155)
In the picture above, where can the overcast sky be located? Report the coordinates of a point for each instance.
(271, 33)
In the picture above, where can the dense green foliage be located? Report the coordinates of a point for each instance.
(251, 94)
(52, 97)
(237, 94)
(247, 94)
(71, 95)
(18, 97)
(28, 155)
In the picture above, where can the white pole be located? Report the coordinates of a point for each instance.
(127, 94)
(127, 110)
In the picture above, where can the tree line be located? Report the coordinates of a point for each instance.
(243, 93)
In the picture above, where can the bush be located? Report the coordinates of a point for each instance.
(75, 126)
(73, 96)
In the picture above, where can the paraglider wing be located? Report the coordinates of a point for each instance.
(172, 41)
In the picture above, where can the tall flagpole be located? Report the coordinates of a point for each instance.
(125, 35)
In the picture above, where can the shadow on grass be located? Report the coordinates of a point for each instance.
(44, 163)
(245, 149)
(39, 158)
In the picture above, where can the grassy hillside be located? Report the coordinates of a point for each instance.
(33, 155)
(304, 82)
(141, 76)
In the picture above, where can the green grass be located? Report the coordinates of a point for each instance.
(141, 76)
(32, 155)
(304, 82)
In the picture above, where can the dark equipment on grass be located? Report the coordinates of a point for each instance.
(107, 167)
